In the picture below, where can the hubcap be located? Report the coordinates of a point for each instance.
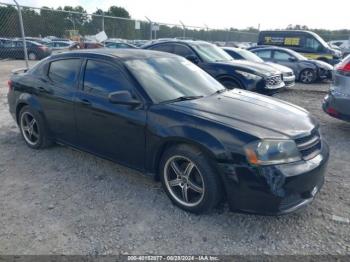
(32, 56)
(29, 128)
(307, 76)
(184, 181)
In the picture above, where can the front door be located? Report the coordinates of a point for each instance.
(111, 130)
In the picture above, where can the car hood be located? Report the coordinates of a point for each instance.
(252, 67)
(281, 68)
(252, 113)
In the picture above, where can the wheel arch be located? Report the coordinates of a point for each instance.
(230, 78)
(203, 141)
(26, 99)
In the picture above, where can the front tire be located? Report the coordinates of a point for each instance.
(308, 76)
(33, 129)
(189, 180)
(230, 84)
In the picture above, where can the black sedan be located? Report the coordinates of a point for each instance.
(243, 54)
(163, 115)
(306, 71)
(14, 49)
(216, 62)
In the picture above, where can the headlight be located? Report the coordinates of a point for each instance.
(271, 152)
(248, 75)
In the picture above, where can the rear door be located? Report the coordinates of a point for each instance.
(56, 92)
(114, 131)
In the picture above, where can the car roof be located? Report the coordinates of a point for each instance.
(124, 54)
(177, 41)
(270, 48)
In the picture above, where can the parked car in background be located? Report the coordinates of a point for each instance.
(242, 54)
(220, 65)
(304, 42)
(342, 45)
(337, 102)
(61, 45)
(164, 116)
(306, 71)
(119, 45)
(14, 49)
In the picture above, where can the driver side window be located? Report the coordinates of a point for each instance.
(101, 79)
(313, 44)
(282, 56)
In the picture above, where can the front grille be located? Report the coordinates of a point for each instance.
(309, 146)
(274, 80)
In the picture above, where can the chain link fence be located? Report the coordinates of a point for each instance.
(56, 29)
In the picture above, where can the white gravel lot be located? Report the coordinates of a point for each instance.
(60, 201)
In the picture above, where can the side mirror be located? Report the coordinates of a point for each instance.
(194, 59)
(292, 59)
(123, 98)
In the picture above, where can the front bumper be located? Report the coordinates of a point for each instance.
(324, 74)
(337, 105)
(289, 81)
(274, 190)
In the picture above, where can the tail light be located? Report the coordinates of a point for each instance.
(344, 67)
(9, 84)
(331, 111)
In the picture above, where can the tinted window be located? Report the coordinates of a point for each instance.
(264, 54)
(313, 44)
(280, 55)
(183, 50)
(9, 44)
(64, 71)
(101, 78)
(163, 48)
(168, 78)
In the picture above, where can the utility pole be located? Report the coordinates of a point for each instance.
(151, 27)
(22, 33)
(184, 31)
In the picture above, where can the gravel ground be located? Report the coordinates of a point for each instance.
(60, 201)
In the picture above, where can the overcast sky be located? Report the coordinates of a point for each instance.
(270, 14)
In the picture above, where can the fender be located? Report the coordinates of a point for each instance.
(225, 76)
(32, 101)
(156, 144)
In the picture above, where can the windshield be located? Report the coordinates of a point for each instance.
(169, 78)
(249, 56)
(211, 53)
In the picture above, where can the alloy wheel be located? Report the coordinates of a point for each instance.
(307, 76)
(30, 129)
(184, 181)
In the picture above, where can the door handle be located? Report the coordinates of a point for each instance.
(85, 102)
(43, 90)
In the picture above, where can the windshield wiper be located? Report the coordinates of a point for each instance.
(181, 98)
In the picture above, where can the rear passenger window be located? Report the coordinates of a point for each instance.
(101, 79)
(64, 71)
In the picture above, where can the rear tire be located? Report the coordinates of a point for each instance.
(308, 76)
(33, 128)
(189, 180)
